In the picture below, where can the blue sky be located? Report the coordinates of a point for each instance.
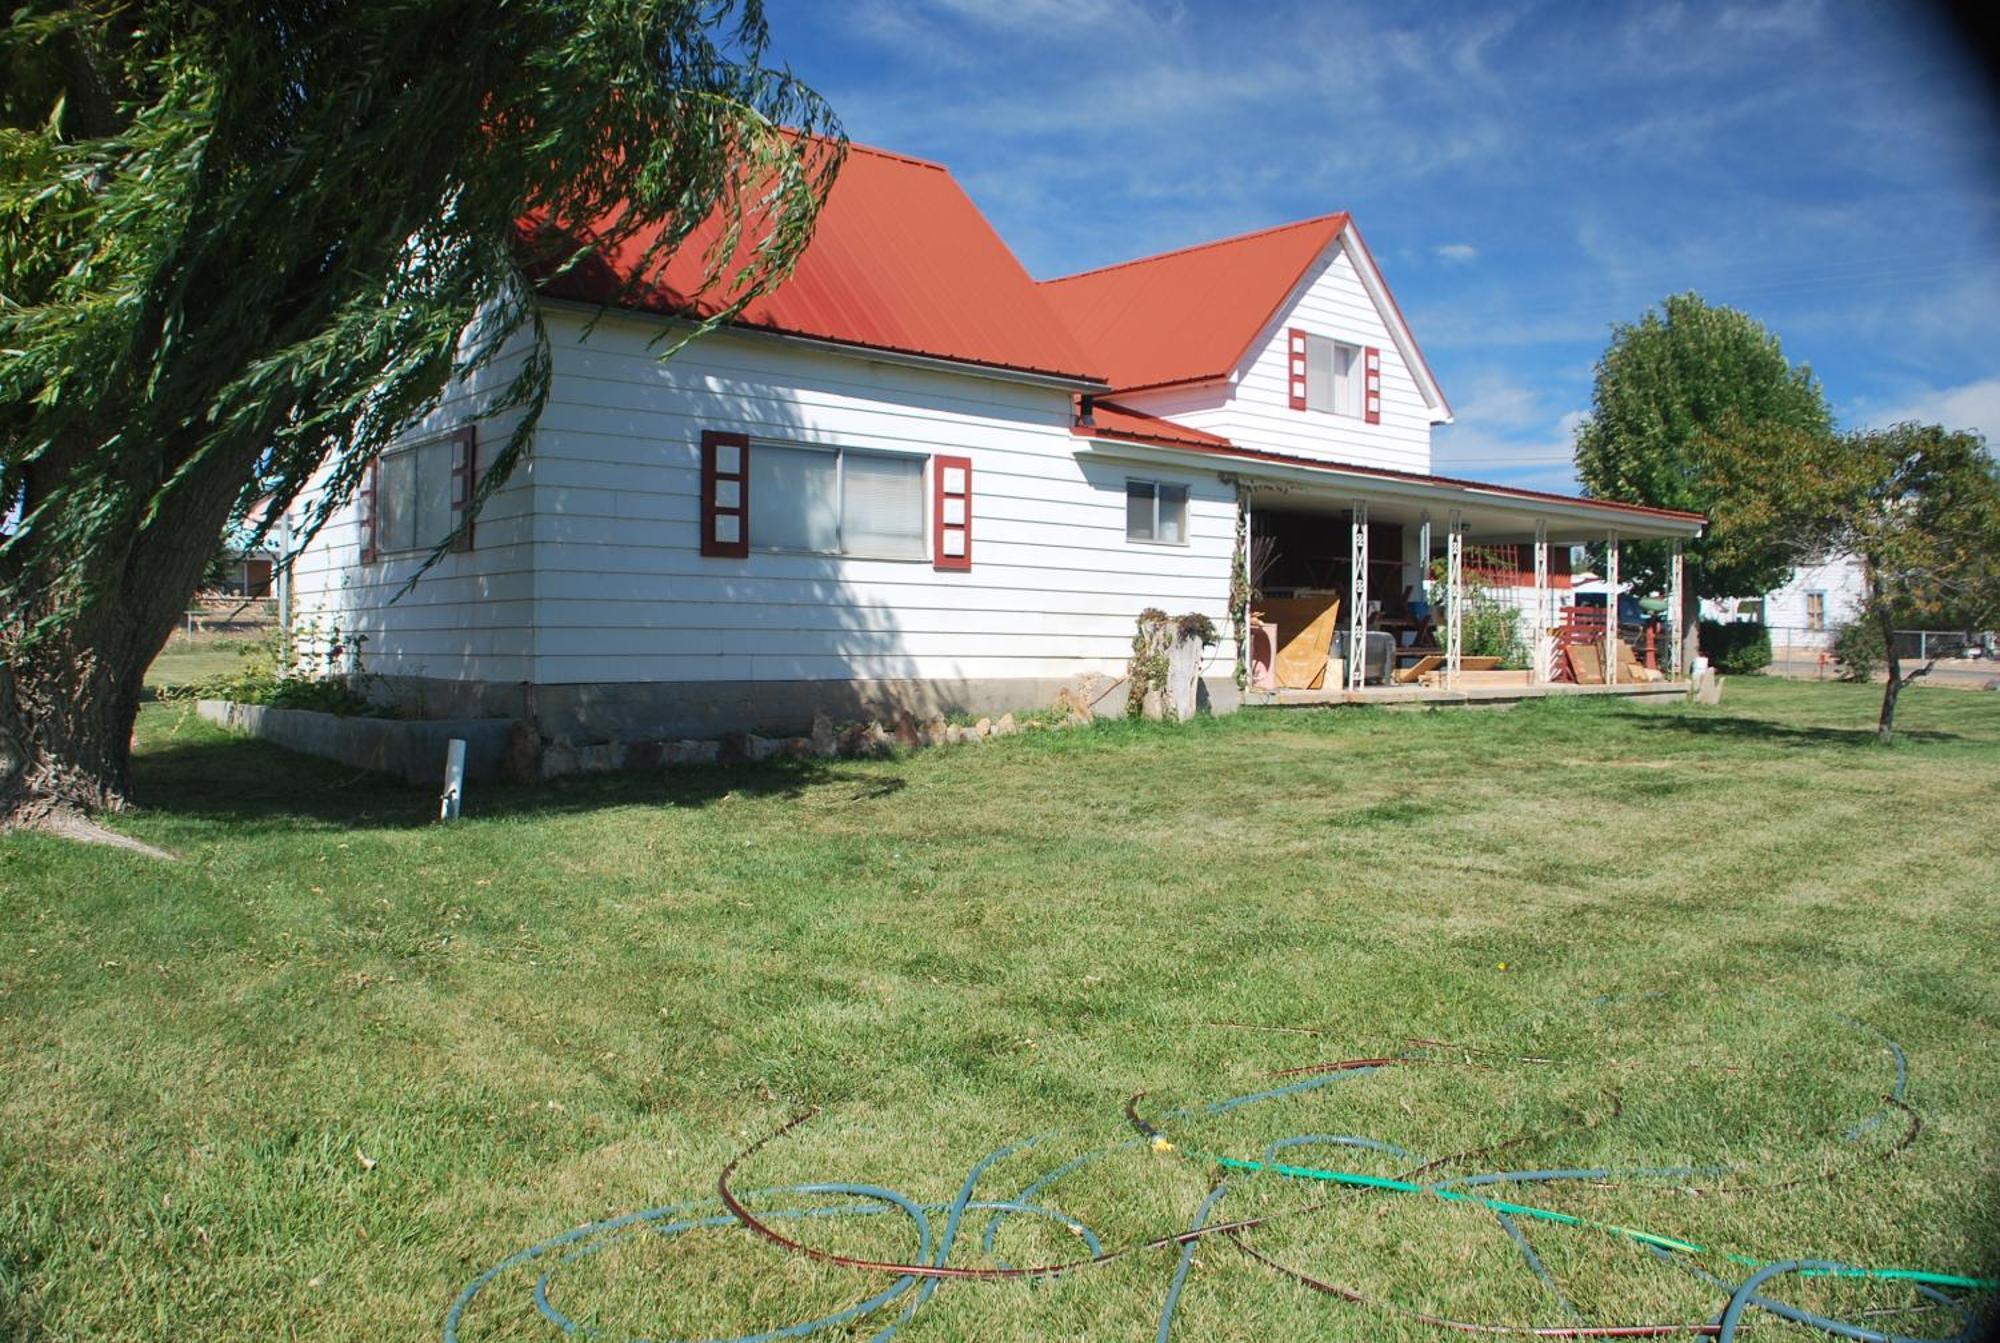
(1526, 174)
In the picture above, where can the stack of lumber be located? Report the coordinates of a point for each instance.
(1305, 637)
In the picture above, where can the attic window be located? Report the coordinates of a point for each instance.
(1333, 376)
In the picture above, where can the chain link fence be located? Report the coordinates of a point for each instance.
(1792, 645)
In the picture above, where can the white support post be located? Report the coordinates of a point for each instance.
(1611, 608)
(454, 780)
(1248, 652)
(1454, 599)
(1357, 616)
(1539, 646)
(1424, 555)
(1674, 595)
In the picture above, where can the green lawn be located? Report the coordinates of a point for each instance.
(311, 1079)
(183, 660)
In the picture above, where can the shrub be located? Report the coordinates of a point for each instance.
(1857, 648)
(262, 680)
(1737, 647)
(1490, 626)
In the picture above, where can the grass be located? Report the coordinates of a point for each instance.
(184, 661)
(313, 1077)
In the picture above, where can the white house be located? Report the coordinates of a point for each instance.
(1806, 611)
(913, 478)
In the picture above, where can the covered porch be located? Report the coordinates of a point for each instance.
(1381, 587)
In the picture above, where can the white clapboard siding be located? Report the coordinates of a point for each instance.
(472, 615)
(626, 596)
(1254, 409)
(1843, 582)
(588, 568)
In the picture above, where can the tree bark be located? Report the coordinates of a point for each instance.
(1885, 724)
(1689, 631)
(69, 698)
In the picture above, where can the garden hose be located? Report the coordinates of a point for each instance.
(914, 1281)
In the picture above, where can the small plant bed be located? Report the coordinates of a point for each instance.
(264, 675)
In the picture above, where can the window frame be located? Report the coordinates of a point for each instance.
(1353, 387)
(449, 443)
(1815, 620)
(839, 451)
(1157, 485)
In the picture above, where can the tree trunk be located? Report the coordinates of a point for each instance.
(69, 698)
(1689, 627)
(1885, 725)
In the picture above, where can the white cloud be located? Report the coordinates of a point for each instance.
(1504, 435)
(1974, 405)
(1458, 253)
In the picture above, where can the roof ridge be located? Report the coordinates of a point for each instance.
(1197, 247)
(891, 154)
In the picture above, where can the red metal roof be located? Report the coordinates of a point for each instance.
(1190, 315)
(901, 260)
(1122, 422)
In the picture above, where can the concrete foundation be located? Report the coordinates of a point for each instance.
(653, 711)
(413, 751)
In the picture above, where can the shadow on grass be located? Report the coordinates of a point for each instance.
(245, 781)
(1739, 728)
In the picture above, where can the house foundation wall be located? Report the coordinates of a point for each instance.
(662, 710)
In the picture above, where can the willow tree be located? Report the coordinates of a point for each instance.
(242, 245)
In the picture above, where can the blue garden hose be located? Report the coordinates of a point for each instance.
(934, 1248)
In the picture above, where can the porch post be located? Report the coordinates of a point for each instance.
(1674, 605)
(1611, 608)
(1424, 553)
(1454, 604)
(1539, 645)
(1357, 615)
(1248, 651)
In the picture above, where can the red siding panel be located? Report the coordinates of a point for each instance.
(1295, 366)
(464, 481)
(370, 510)
(725, 494)
(951, 512)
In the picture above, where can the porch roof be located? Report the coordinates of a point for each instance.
(1490, 512)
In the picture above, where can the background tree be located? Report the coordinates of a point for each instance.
(241, 245)
(1918, 505)
(1674, 392)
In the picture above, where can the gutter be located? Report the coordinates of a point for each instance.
(1252, 465)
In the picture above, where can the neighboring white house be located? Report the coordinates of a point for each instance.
(1807, 610)
(910, 478)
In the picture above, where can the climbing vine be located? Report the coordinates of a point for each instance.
(1239, 589)
(1148, 669)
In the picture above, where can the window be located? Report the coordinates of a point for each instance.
(831, 501)
(1156, 512)
(1333, 376)
(416, 494)
(1815, 610)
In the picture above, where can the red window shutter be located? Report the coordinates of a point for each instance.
(1295, 363)
(367, 507)
(951, 512)
(464, 480)
(725, 494)
(1371, 369)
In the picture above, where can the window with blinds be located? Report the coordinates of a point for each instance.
(836, 501)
